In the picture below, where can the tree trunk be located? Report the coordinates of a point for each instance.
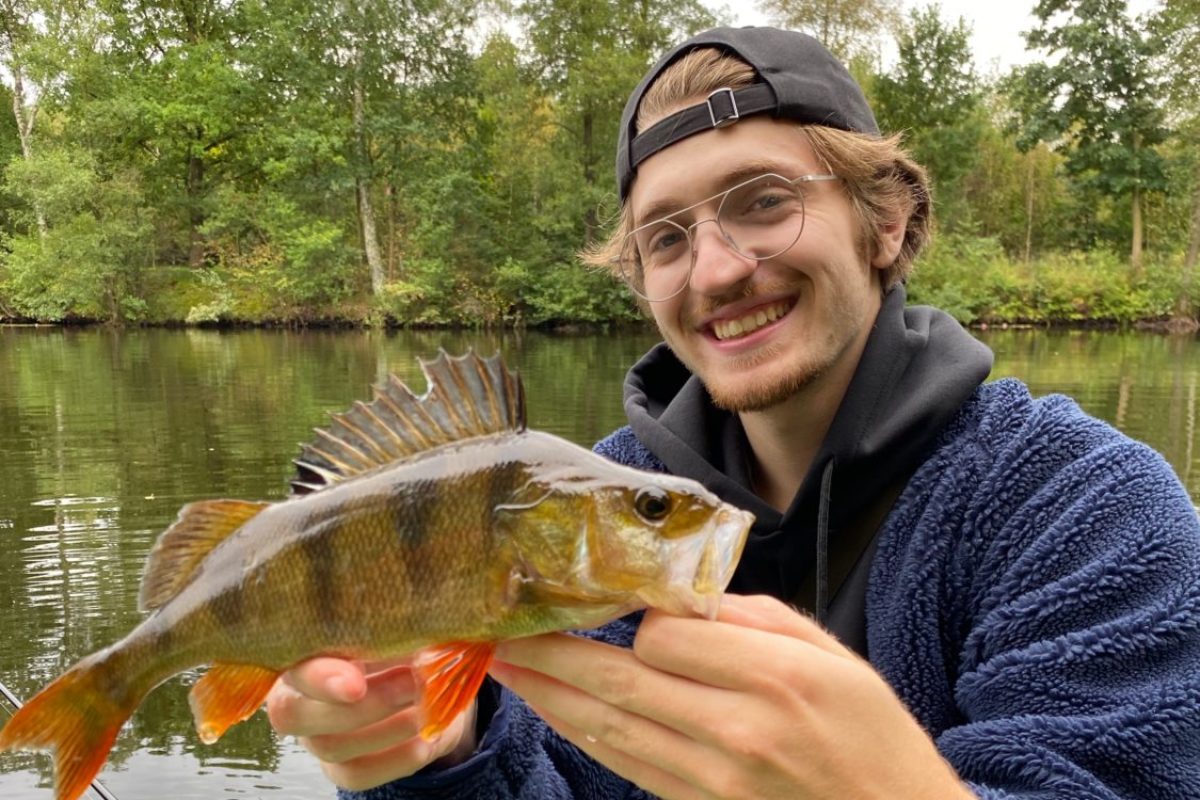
(1184, 306)
(1029, 208)
(26, 115)
(1135, 249)
(366, 211)
(195, 191)
(591, 219)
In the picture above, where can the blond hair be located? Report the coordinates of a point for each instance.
(881, 180)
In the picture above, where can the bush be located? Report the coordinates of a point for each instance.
(973, 280)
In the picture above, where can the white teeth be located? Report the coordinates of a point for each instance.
(731, 328)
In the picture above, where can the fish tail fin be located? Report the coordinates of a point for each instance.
(78, 717)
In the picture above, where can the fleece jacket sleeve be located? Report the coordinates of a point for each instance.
(1037, 606)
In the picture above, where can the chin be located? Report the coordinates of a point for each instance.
(740, 393)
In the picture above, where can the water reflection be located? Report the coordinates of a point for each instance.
(105, 434)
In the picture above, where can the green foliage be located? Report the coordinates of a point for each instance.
(236, 161)
(86, 263)
(849, 28)
(972, 279)
(1099, 95)
(933, 97)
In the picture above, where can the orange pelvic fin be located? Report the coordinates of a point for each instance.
(177, 554)
(75, 717)
(449, 677)
(226, 695)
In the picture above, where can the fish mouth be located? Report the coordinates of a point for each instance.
(699, 567)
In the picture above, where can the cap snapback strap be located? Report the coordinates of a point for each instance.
(720, 109)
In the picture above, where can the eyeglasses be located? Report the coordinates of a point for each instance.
(759, 219)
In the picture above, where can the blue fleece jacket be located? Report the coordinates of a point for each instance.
(1034, 600)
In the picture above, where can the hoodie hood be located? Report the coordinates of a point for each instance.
(917, 369)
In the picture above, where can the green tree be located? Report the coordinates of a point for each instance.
(849, 28)
(588, 56)
(933, 96)
(1095, 92)
(1176, 27)
(87, 263)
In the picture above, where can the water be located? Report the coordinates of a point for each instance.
(105, 434)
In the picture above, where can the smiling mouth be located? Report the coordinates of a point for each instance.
(727, 329)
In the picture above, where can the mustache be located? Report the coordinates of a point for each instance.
(706, 306)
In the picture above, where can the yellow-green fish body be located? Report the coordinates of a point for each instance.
(432, 526)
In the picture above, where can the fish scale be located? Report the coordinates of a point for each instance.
(429, 527)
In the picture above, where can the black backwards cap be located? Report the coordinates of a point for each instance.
(799, 79)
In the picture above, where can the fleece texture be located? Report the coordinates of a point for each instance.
(1034, 600)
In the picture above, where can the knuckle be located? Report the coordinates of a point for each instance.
(729, 784)
(611, 728)
(617, 684)
(329, 749)
(740, 739)
(282, 709)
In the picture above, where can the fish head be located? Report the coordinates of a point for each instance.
(617, 536)
(667, 540)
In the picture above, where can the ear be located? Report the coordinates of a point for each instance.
(889, 238)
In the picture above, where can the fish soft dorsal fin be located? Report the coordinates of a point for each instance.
(468, 396)
(200, 527)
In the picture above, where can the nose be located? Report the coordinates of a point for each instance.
(716, 264)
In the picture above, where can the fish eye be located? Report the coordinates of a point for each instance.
(652, 503)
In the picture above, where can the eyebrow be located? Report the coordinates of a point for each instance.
(666, 206)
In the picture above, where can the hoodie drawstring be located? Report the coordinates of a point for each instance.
(822, 599)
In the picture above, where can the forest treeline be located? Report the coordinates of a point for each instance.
(428, 162)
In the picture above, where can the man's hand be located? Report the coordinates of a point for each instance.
(761, 703)
(360, 721)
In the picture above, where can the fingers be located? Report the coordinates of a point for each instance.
(329, 680)
(644, 774)
(330, 696)
(765, 613)
(400, 757)
(357, 742)
(607, 690)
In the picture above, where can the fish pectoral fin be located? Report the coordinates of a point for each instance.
(228, 694)
(177, 554)
(448, 678)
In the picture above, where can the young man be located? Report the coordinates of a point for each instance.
(1006, 591)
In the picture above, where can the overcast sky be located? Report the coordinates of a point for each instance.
(996, 40)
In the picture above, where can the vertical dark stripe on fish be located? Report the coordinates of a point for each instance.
(415, 520)
(318, 550)
(228, 609)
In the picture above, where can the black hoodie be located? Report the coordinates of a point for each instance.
(917, 369)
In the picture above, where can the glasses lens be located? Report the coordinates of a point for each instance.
(763, 217)
(656, 259)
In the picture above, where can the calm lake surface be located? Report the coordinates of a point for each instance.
(105, 434)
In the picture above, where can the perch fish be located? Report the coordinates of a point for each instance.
(431, 527)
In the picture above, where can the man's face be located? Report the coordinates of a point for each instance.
(818, 299)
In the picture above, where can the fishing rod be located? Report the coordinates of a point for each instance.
(97, 786)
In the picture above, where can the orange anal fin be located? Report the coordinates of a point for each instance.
(74, 717)
(448, 677)
(226, 695)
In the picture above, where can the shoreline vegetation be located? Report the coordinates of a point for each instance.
(440, 164)
(970, 278)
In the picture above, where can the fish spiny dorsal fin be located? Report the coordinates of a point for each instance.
(468, 396)
(200, 527)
